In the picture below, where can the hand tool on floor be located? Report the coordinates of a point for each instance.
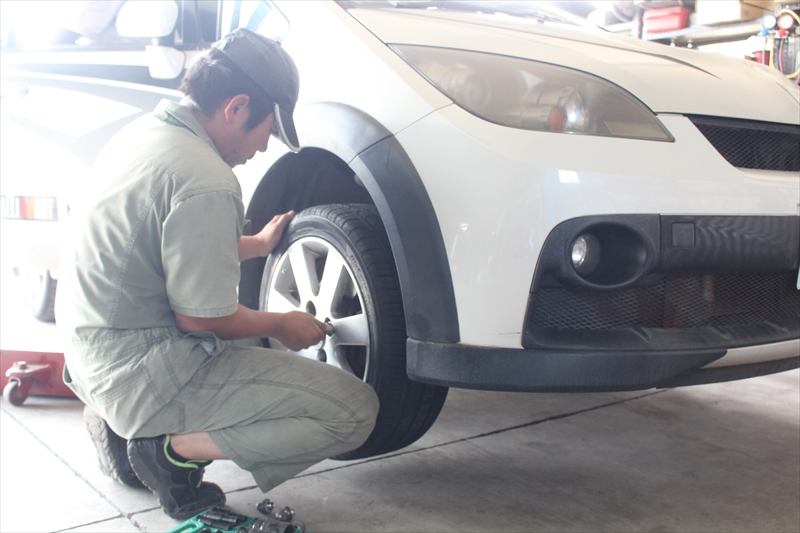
(219, 520)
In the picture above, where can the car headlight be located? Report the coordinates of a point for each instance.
(530, 95)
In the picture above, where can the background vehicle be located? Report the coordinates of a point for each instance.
(64, 93)
(510, 201)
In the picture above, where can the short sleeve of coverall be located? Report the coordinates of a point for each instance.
(199, 254)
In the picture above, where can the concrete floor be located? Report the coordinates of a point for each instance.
(711, 458)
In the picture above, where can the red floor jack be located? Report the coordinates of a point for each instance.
(24, 373)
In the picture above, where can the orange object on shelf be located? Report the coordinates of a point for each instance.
(666, 19)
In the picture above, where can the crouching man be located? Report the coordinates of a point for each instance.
(148, 296)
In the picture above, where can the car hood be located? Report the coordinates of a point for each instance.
(666, 79)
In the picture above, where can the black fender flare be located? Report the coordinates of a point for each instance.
(388, 174)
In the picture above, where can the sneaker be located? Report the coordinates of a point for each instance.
(178, 485)
(112, 450)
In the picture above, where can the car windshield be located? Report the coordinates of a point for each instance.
(539, 11)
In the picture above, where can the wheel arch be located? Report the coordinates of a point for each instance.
(349, 157)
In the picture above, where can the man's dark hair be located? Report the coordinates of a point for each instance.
(213, 79)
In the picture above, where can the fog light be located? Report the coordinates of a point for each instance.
(585, 254)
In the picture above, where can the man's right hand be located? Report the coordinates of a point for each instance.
(295, 330)
(301, 330)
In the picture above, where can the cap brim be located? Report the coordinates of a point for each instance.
(286, 128)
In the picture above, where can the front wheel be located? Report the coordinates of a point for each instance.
(335, 262)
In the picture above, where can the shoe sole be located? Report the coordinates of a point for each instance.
(112, 450)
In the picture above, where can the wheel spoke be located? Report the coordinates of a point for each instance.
(352, 330)
(281, 303)
(305, 275)
(334, 277)
(310, 353)
(314, 354)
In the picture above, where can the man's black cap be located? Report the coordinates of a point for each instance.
(270, 67)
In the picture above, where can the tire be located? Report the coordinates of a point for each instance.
(350, 281)
(112, 450)
(39, 291)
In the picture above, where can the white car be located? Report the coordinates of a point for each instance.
(499, 196)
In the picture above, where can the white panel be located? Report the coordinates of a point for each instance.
(666, 79)
(758, 354)
(65, 110)
(498, 192)
(340, 61)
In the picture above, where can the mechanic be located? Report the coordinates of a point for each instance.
(149, 295)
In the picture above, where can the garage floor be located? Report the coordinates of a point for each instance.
(711, 458)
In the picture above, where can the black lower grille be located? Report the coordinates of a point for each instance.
(674, 302)
(750, 144)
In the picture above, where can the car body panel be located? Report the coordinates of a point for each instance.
(354, 68)
(525, 183)
(668, 80)
(68, 117)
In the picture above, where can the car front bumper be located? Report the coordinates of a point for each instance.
(505, 369)
(668, 304)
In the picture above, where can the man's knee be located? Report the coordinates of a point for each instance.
(366, 412)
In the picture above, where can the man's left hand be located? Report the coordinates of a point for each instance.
(262, 244)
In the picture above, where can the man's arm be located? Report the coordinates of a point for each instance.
(262, 244)
(295, 330)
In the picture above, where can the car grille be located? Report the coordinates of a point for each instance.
(750, 144)
(675, 302)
